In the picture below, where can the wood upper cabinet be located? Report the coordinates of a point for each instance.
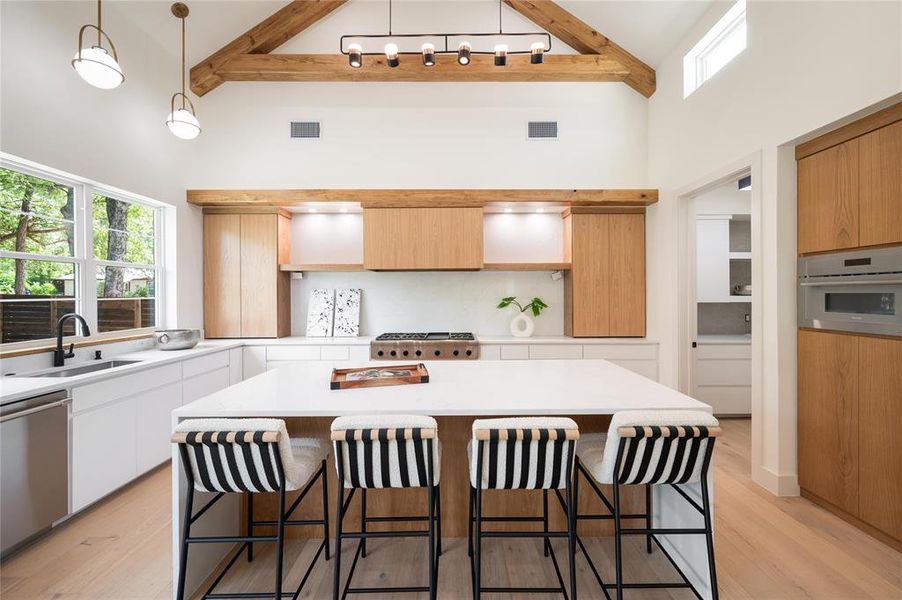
(880, 160)
(245, 294)
(880, 419)
(828, 199)
(828, 417)
(422, 238)
(604, 291)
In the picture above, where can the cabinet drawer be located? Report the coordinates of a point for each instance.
(621, 352)
(204, 364)
(253, 361)
(154, 425)
(292, 353)
(204, 385)
(724, 372)
(361, 353)
(517, 352)
(489, 352)
(555, 351)
(110, 390)
(726, 399)
(236, 365)
(715, 351)
(334, 353)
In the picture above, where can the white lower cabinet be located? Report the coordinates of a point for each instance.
(154, 425)
(104, 452)
(206, 384)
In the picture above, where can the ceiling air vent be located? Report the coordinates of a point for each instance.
(541, 130)
(305, 129)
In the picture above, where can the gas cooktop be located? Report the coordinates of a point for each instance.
(434, 345)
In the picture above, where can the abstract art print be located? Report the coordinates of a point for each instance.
(320, 313)
(347, 313)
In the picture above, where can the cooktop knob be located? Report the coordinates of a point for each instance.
(393, 353)
(438, 352)
(405, 353)
(419, 352)
(380, 353)
(469, 353)
(456, 352)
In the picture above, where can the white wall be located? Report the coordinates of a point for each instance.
(807, 64)
(116, 137)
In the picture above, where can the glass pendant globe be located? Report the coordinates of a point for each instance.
(183, 124)
(96, 66)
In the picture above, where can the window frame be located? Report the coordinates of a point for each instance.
(694, 62)
(85, 264)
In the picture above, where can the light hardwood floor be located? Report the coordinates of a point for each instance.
(767, 548)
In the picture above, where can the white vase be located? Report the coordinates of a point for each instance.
(522, 325)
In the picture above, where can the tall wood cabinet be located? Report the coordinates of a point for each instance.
(849, 414)
(850, 193)
(245, 294)
(604, 291)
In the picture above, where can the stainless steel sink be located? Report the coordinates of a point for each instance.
(82, 369)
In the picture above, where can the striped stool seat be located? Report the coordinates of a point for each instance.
(387, 451)
(249, 456)
(650, 448)
(522, 453)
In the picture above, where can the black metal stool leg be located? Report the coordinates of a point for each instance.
(250, 525)
(339, 517)
(477, 551)
(648, 524)
(363, 521)
(470, 501)
(325, 483)
(430, 500)
(186, 532)
(571, 536)
(438, 516)
(545, 542)
(618, 550)
(280, 542)
(709, 538)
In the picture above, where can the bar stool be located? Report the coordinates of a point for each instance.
(249, 456)
(649, 448)
(387, 451)
(523, 454)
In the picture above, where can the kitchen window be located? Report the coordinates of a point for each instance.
(68, 245)
(722, 43)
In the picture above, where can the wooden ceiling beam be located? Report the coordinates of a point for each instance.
(584, 39)
(422, 197)
(263, 38)
(334, 67)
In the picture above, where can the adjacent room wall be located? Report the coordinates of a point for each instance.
(115, 137)
(807, 64)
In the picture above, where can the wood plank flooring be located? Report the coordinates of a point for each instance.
(767, 548)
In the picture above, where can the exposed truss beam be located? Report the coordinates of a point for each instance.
(582, 38)
(263, 38)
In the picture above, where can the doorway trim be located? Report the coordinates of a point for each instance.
(751, 164)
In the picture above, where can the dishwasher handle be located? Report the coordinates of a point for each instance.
(33, 410)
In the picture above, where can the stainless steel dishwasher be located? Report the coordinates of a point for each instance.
(34, 467)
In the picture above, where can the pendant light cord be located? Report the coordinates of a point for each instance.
(500, 28)
(99, 27)
(183, 63)
(389, 17)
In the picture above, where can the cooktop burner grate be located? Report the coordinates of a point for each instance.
(432, 335)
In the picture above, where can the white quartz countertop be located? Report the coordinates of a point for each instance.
(464, 388)
(15, 388)
(741, 338)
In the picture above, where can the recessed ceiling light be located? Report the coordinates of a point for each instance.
(540, 210)
(508, 210)
(344, 210)
(311, 210)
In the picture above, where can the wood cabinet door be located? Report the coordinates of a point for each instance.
(259, 275)
(828, 199)
(222, 276)
(880, 442)
(422, 238)
(828, 417)
(626, 275)
(605, 288)
(880, 160)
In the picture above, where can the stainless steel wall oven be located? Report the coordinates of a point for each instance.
(858, 291)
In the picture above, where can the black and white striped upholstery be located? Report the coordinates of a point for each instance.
(247, 455)
(523, 453)
(386, 451)
(654, 447)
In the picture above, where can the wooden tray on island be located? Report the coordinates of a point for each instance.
(379, 376)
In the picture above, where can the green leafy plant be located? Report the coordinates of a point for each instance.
(536, 304)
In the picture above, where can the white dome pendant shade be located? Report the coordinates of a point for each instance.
(95, 64)
(182, 121)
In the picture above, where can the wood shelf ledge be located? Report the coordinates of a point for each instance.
(325, 267)
(526, 266)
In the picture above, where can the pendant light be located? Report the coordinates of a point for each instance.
(95, 64)
(182, 121)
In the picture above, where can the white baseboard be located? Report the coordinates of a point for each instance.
(778, 485)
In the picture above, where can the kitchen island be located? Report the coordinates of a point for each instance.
(458, 391)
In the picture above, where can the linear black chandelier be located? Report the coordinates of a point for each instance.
(351, 45)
